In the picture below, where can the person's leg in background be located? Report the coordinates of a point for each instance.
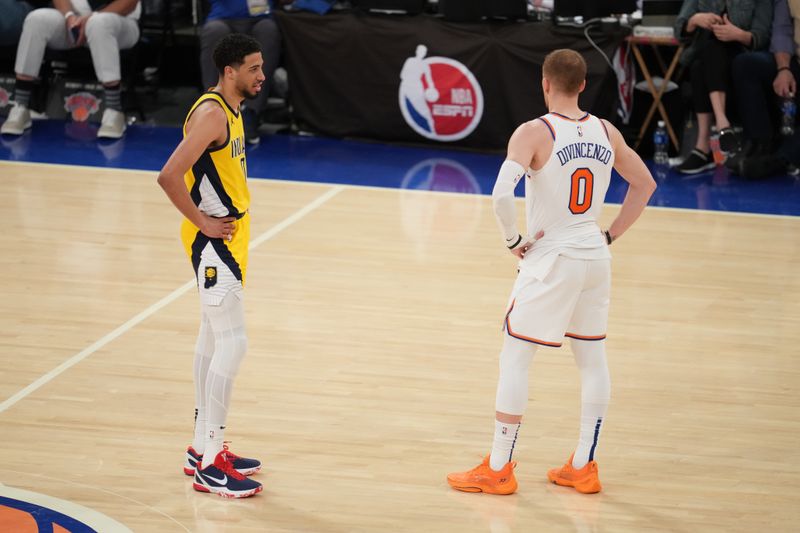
(266, 32)
(106, 35)
(716, 82)
(753, 73)
(43, 28)
(701, 101)
(699, 159)
(786, 159)
(210, 34)
(717, 58)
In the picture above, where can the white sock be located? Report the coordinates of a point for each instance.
(505, 436)
(590, 433)
(199, 441)
(219, 388)
(590, 356)
(215, 437)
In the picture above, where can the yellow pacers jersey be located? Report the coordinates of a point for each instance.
(217, 183)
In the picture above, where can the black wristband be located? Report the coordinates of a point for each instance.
(519, 239)
(609, 240)
(784, 68)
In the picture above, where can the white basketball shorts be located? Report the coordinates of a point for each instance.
(218, 273)
(571, 301)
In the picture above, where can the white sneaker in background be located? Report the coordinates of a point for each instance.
(19, 120)
(112, 125)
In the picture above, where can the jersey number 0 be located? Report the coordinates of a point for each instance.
(580, 194)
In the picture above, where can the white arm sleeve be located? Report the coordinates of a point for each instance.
(503, 199)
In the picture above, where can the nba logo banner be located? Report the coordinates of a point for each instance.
(439, 97)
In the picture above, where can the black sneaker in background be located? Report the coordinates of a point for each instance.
(763, 167)
(696, 162)
(750, 149)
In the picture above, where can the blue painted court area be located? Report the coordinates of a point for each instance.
(20, 515)
(323, 160)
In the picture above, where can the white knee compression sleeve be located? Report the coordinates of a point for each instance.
(512, 385)
(230, 346)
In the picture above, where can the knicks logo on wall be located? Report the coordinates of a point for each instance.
(81, 105)
(439, 97)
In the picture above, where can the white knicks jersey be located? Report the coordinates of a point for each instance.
(565, 197)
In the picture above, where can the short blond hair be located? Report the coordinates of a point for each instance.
(565, 69)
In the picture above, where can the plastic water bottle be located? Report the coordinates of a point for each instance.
(788, 112)
(660, 144)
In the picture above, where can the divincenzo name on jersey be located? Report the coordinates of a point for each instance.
(586, 150)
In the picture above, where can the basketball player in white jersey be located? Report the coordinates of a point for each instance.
(566, 158)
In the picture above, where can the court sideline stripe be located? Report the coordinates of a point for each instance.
(421, 191)
(174, 295)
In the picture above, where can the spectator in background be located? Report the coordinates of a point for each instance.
(718, 31)
(14, 12)
(762, 80)
(251, 17)
(70, 24)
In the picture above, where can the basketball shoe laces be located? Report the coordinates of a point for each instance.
(485, 477)
(227, 465)
(228, 452)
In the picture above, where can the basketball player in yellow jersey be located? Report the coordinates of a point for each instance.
(564, 280)
(206, 179)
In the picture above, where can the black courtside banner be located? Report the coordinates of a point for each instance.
(419, 79)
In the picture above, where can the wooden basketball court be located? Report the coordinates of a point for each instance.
(374, 322)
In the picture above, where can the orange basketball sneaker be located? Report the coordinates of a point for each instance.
(483, 479)
(584, 480)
